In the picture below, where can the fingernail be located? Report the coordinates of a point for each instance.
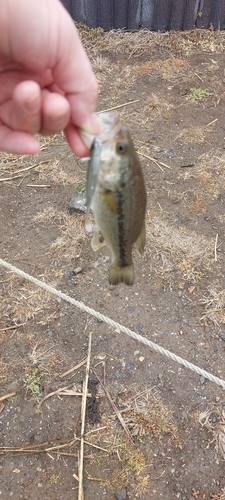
(91, 125)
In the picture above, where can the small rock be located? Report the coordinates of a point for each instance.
(78, 270)
(69, 274)
(78, 203)
(202, 379)
(121, 495)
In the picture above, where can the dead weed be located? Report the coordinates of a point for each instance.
(147, 419)
(23, 301)
(214, 421)
(143, 41)
(214, 306)
(174, 244)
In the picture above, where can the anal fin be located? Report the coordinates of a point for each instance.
(140, 242)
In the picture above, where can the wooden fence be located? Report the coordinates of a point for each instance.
(156, 15)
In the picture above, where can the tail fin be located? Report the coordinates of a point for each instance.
(123, 274)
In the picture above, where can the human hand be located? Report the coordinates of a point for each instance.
(46, 80)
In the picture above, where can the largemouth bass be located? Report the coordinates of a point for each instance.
(116, 193)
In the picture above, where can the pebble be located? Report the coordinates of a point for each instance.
(78, 203)
(78, 270)
(121, 495)
(202, 379)
(69, 274)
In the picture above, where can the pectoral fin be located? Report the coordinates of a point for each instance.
(97, 241)
(140, 242)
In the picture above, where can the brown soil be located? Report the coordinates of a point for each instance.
(178, 299)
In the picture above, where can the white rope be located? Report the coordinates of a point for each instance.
(114, 324)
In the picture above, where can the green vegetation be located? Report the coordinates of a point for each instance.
(198, 94)
(32, 382)
(79, 190)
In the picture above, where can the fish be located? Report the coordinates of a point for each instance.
(116, 194)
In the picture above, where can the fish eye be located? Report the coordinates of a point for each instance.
(121, 148)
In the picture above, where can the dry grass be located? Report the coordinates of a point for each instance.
(214, 305)
(148, 420)
(47, 166)
(119, 78)
(123, 463)
(101, 64)
(194, 134)
(21, 301)
(50, 215)
(144, 414)
(5, 372)
(209, 174)
(214, 421)
(211, 184)
(72, 237)
(26, 302)
(170, 69)
(157, 108)
(143, 41)
(54, 173)
(173, 245)
(73, 232)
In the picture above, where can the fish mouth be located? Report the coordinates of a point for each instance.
(109, 126)
(109, 123)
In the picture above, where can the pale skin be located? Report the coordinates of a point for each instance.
(46, 81)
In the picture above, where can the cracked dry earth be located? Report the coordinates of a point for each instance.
(174, 417)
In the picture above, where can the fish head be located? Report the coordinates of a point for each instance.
(116, 150)
(115, 158)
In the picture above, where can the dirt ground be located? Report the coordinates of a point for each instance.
(172, 444)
